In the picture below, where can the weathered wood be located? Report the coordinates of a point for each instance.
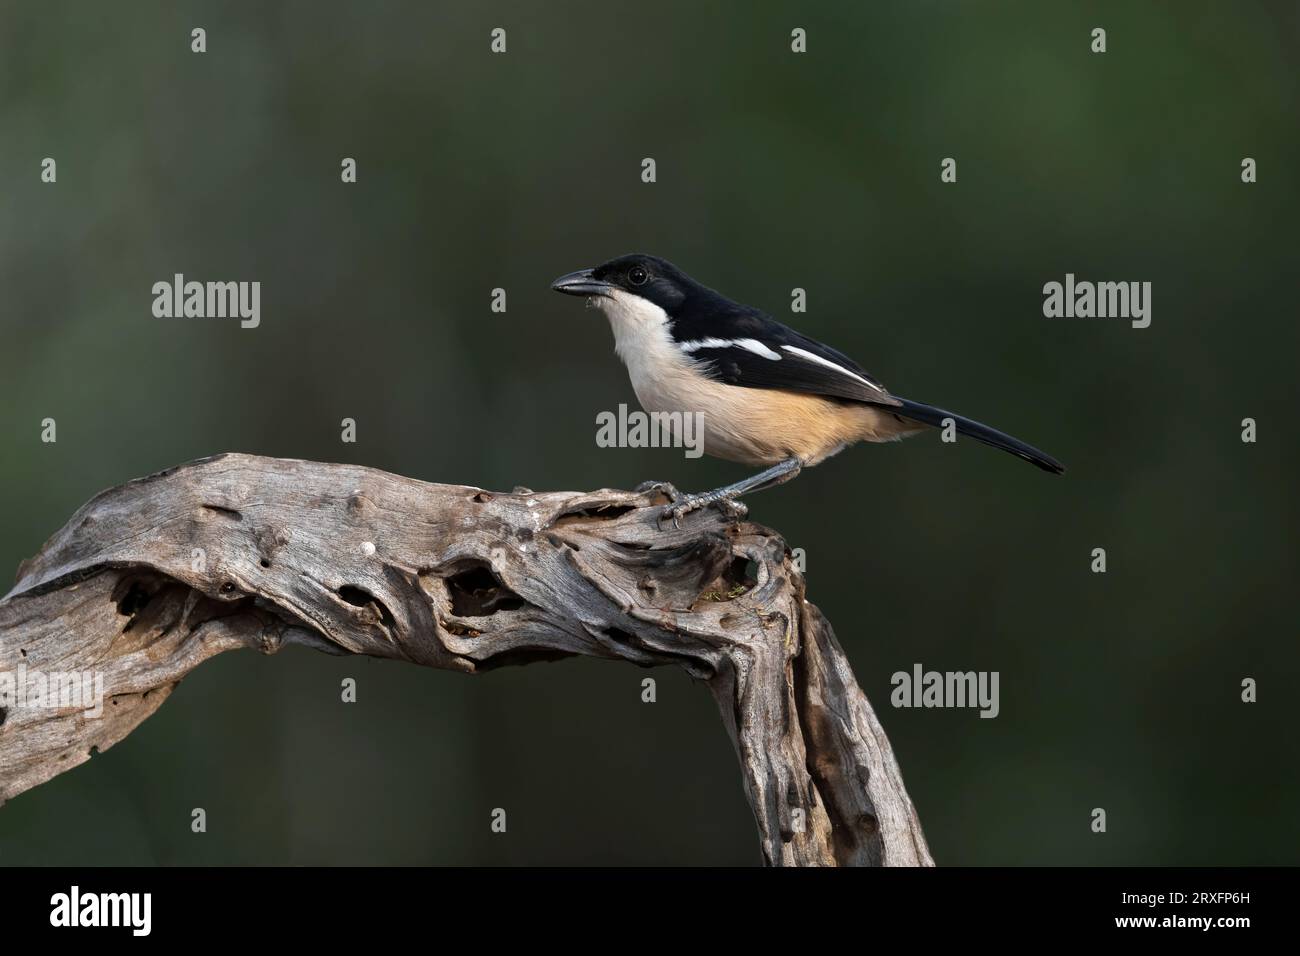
(149, 579)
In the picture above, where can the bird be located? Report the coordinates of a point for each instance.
(770, 396)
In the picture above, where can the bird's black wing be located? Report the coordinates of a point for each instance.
(750, 350)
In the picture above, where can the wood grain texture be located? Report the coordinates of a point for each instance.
(149, 579)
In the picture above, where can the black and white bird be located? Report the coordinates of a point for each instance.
(769, 395)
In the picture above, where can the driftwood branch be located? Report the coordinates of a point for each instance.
(149, 579)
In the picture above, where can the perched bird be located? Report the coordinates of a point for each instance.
(769, 395)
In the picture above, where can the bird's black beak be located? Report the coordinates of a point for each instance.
(582, 282)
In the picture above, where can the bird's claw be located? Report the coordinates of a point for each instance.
(731, 509)
(665, 488)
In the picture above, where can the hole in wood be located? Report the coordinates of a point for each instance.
(476, 590)
(225, 512)
(360, 597)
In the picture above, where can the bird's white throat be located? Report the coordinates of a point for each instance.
(640, 328)
(657, 368)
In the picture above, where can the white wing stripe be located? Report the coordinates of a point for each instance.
(750, 345)
(812, 357)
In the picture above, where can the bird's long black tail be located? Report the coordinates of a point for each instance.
(929, 415)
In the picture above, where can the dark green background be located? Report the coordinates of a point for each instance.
(775, 170)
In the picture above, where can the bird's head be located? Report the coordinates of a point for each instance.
(632, 281)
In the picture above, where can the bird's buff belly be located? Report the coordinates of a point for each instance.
(758, 426)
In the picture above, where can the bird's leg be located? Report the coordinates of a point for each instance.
(778, 474)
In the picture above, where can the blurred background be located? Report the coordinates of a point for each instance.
(775, 170)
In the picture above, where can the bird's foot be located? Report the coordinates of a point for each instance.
(680, 505)
(731, 509)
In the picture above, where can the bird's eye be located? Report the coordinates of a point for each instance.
(637, 276)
